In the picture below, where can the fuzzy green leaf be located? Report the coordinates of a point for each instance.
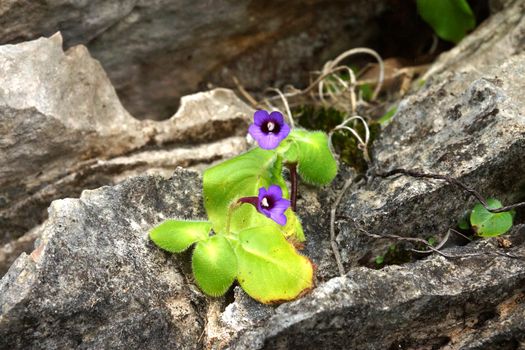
(242, 176)
(270, 270)
(176, 236)
(316, 164)
(450, 19)
(487, 224)
(238, 177)
(293, 228)
(214, 265)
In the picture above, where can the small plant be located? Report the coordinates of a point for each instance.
(252, 225)
(450, 19)
(486, 224)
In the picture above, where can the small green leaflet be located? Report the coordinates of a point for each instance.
(176, 236)
(388, 115)
(380, 259)
(487, 224)
(214, 265)
(316, 164)
(450, 19)
(270, 269)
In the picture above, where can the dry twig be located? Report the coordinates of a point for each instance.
(452, 181)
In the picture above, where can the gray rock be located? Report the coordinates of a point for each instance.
(96, 281)
(157, 51)
(63, 129)
(104, 172)
(9, 252)
(467, 122)
(472, 302)
(469, 125)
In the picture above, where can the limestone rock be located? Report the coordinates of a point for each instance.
(158, 51)
(63, 129)
(473, 302)
(96, 281)
(464, 122)
(469, 125)
(9, 252)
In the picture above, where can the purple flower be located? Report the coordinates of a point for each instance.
(272, 204)
(268, 129)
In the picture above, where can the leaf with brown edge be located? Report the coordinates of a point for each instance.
(270, 269)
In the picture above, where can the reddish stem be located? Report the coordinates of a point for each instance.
(250, 200)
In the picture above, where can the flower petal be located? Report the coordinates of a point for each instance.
(275, 191)
(269, 141)
(260, 117)
(280, 206)
(283, 133)
(262, 193)
(280, 219)
(256, 132)
(266, 212)
(277, 117)
(260, 209)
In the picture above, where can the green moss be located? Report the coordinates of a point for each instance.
(345, 144)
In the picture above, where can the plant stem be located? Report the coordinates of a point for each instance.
(452, 181)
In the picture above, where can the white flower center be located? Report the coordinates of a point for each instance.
(264, 202)
(270, 126)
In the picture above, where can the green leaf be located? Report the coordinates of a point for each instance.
(242, 176)
(293, 227)
(289, 150)
(380, 259)
(450, 19)
(487, 224)
(316, 164)
(388, 115)
(214, 265)
(270, 269)
(238, 177)
(176, 236)
(366, 92)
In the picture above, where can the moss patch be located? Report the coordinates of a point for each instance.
(345, 144)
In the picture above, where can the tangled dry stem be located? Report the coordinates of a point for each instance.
(452, 181)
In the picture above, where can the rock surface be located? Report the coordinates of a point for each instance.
(157, 51)
(475, 302)
(468, 122)
(469, 125)
(63, 129)
(95, 280)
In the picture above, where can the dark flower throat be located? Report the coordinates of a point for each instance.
(271, 127)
